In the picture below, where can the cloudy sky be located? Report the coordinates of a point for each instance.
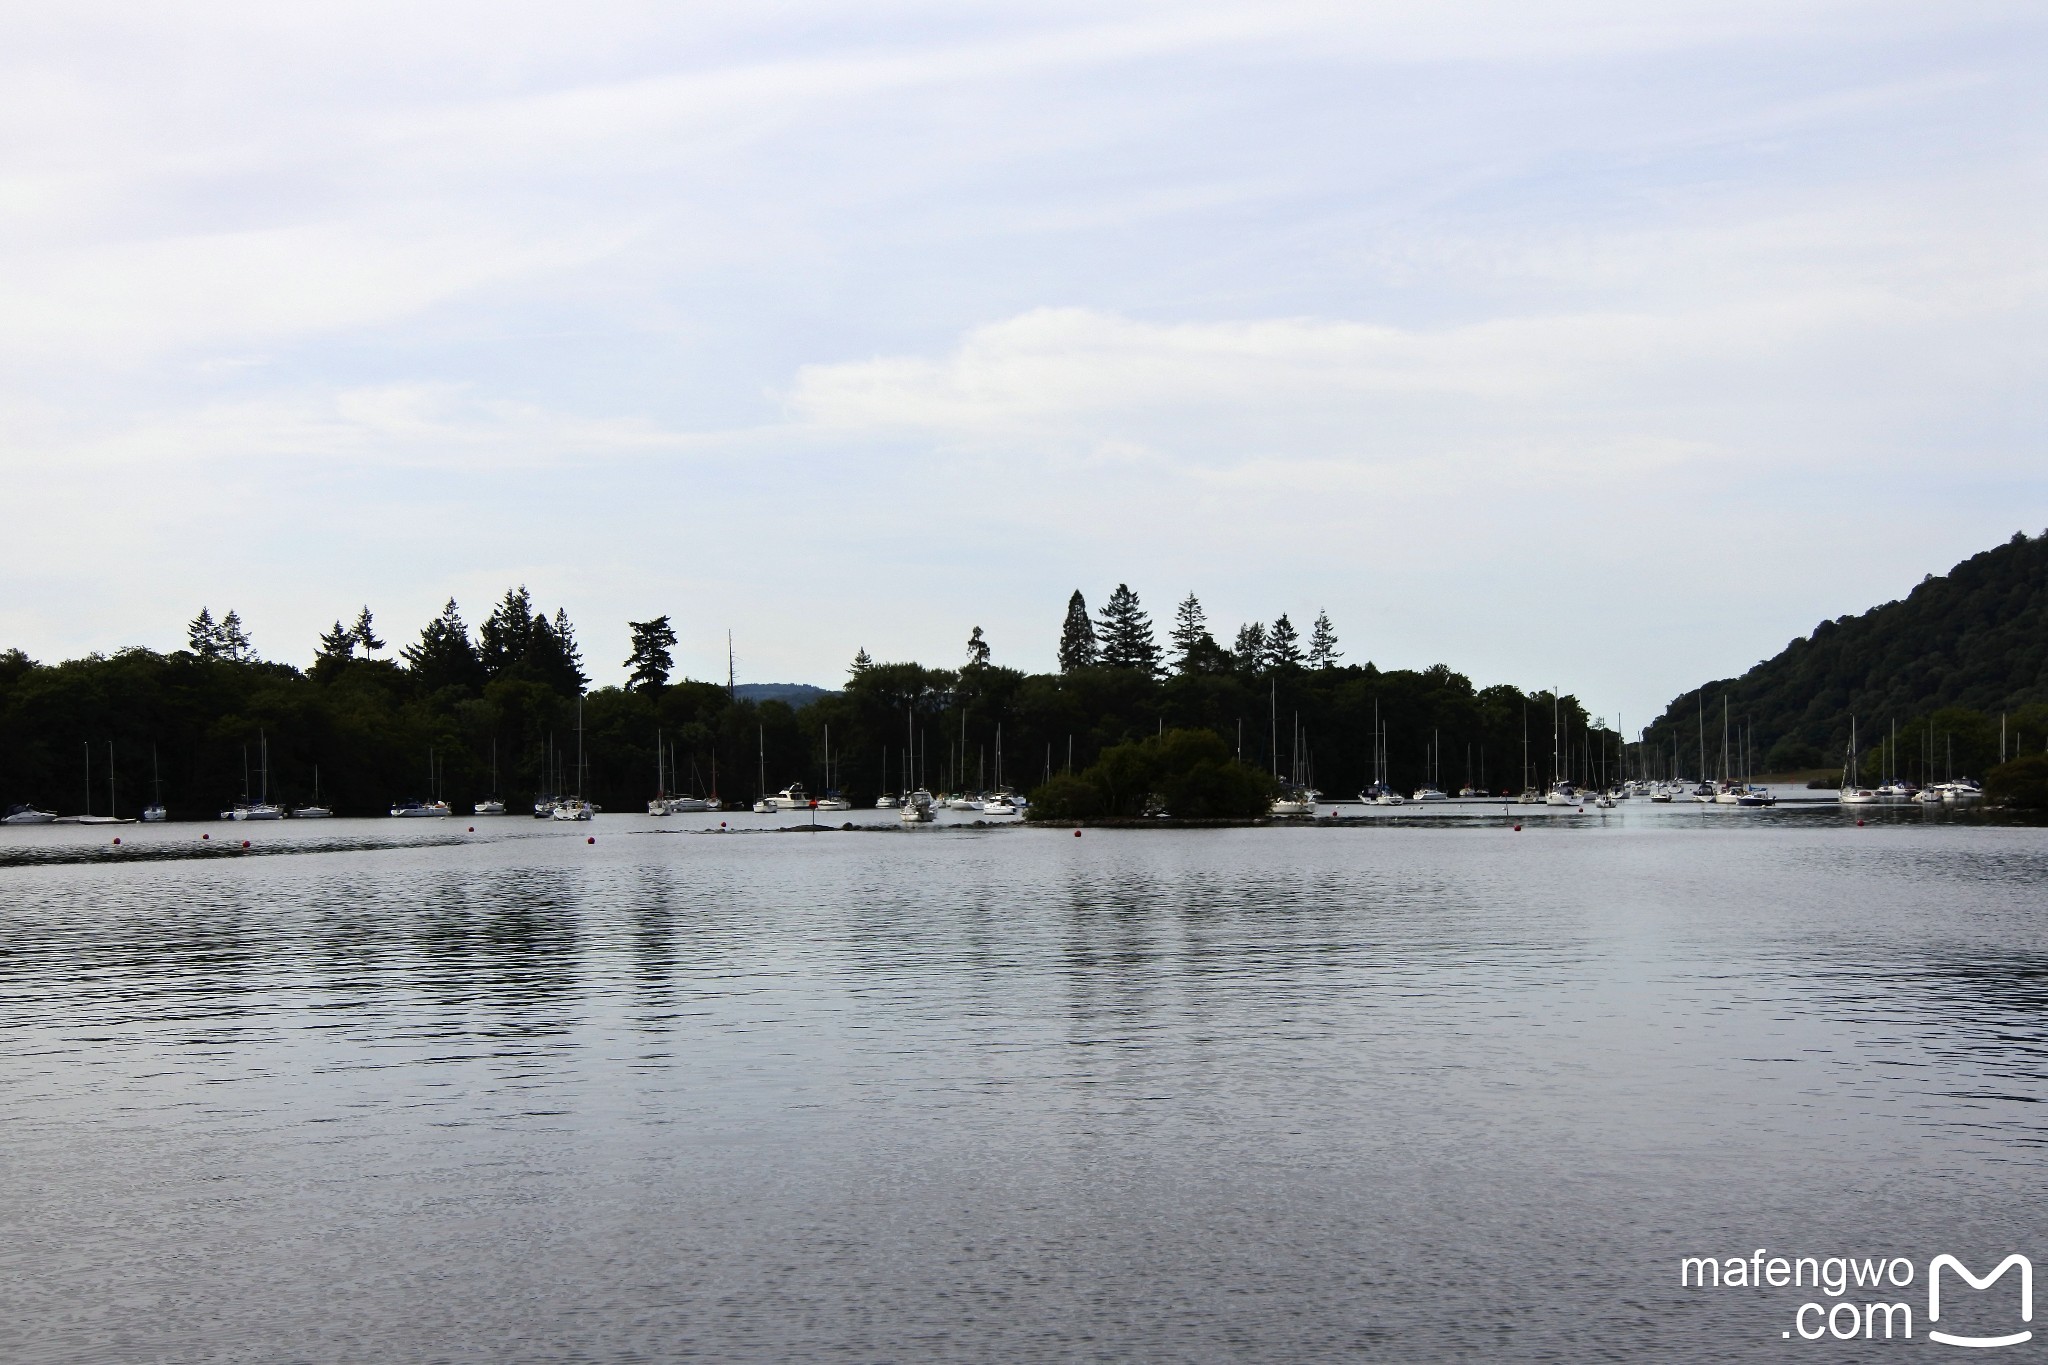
(1594, 342)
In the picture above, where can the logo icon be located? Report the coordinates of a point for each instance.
(1934, 1268)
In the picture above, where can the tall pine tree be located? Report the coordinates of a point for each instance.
(650, 662)
(1322, 643)
(1077, 637)
(1249, 651)
(444, 656)
(1125, 632)
(1283, 644)
(1194, 649)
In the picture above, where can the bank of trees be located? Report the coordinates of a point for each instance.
(369, 716)
(1944, 665)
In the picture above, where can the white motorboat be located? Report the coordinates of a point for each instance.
(573, 808)
(28, 815)
(963, 803)
(1604, 801)
(917, 808)
(1962, 791)
(833, 801)
(792, 797)
(886, 802)
(999, 804)
(1429, 794)
(1929, 796)
(154, 815)
(766, 806)
(313, 812)
(491, 807)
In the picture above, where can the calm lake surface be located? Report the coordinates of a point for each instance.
(1410, 1089)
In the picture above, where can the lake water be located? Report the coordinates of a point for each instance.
(1413, 1089)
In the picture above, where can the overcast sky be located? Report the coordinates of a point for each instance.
(1601, 344)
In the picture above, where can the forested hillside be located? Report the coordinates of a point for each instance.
(1943, 665)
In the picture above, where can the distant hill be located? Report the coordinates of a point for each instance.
(1975, 639)
(794, 695)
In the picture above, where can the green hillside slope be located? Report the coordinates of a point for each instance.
(1943, 665)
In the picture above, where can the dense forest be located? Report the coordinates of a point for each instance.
(1941, 669)
(434, 719)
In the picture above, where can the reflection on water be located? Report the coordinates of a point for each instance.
(1401, 1093)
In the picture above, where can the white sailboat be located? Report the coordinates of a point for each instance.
(154, 813)
(315, 811)
(260, 808)
(490, 805)
(1854, 793)
(573, 808)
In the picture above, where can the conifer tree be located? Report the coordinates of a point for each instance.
(1078, 647)
(204, 635)
(337, 645)
(977, 650)
(234, 641)
(1125, 632)
(444, 656)
(365, 632)
(1194, 649)
(862, 662)
(1322, 643)
(506, 635)
(650, 662)
(1283, 644)
(1249, 651)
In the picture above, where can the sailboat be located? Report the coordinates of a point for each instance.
(434, 808)
(110, 818)
(154, 813)
(491, 805)
(260, 808)
(831, 800)
(575, 807)
(1562, 792)
(316, 811)
(1854, 793)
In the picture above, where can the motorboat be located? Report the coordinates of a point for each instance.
(154, 815)
(1929, 796)
(491, 807)
(253, 810)
(792, 797)
(1429, 794)
(421, 810)
(544, 807)
(1604, 801)
(313, 812)
(832, 800)
(1961, 792)
(573, 808)
(999, 804)
(886, 802)
(917, 808)
(963, 803)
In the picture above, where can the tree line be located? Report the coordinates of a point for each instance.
(443, 713)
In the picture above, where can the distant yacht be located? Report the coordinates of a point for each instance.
(28, 815)
(154, 813)
(999, 804)
(315, 811)
(574, 808)
(917, 808)
(1429, 794)
(261, 808)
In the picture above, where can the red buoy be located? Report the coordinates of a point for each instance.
(117, 841)
(1518, 829)
(472, 829)
(1859, 824)
(245, 843)
(206, 836)
(591, 840)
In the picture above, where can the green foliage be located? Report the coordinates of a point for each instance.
(1077, 636)
(977, 650)
(1191, 771)
(2021, 783)
(1283, 645)
(1125, 634)
(650, 662)
(1322, 643)
(1943, 663)
(444, 657)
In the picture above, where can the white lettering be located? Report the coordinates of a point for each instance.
(1799, 1321)
(1855, 1322)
